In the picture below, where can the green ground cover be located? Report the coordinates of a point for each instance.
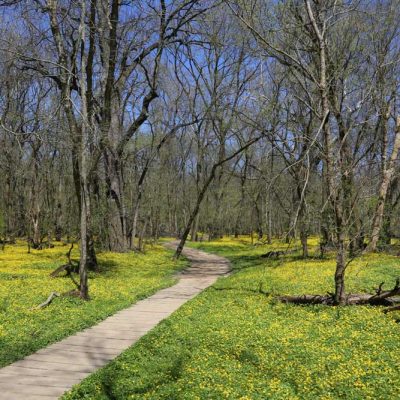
(25, 283)
(233, 342)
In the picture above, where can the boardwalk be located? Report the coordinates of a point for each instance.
(49, 372)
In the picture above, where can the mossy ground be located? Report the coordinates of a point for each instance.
(232, 342)
(25, 283)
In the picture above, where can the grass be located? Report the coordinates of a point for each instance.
(232, 342)
(25, 283)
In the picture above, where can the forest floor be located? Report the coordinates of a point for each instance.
(48, 373)
(234, 342)
(25, 282)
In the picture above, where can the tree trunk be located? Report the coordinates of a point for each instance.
(303, 240)
(387, 175)
(58, 231)
(143, 234)
(340, 292)
(85, 220)
(386, 231)
(194, 214)
(134, 224)
(195, 228)
(36, 237)
(58, 227)
(356, 232)
(118, 235)
(337, 197)
(84, 169)
(258, 217)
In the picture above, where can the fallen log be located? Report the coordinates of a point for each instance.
(384, 297)
(380, 298)
(307, 299)
(390, 309)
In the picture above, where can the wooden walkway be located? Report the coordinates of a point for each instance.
(50, 372)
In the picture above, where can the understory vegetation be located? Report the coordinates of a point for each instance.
(25, 282)
(234, 341)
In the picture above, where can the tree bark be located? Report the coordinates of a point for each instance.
(335, 198)
(387, 175)
(84, 170)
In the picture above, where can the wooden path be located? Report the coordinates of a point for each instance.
(50, 372)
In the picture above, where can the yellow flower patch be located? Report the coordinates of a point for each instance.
(234, 342)
(25, 283)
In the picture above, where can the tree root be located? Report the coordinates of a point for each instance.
(72, 293)
(390, 309)
(380, 298)
(51, 297)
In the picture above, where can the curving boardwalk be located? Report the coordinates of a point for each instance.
(49, 372)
